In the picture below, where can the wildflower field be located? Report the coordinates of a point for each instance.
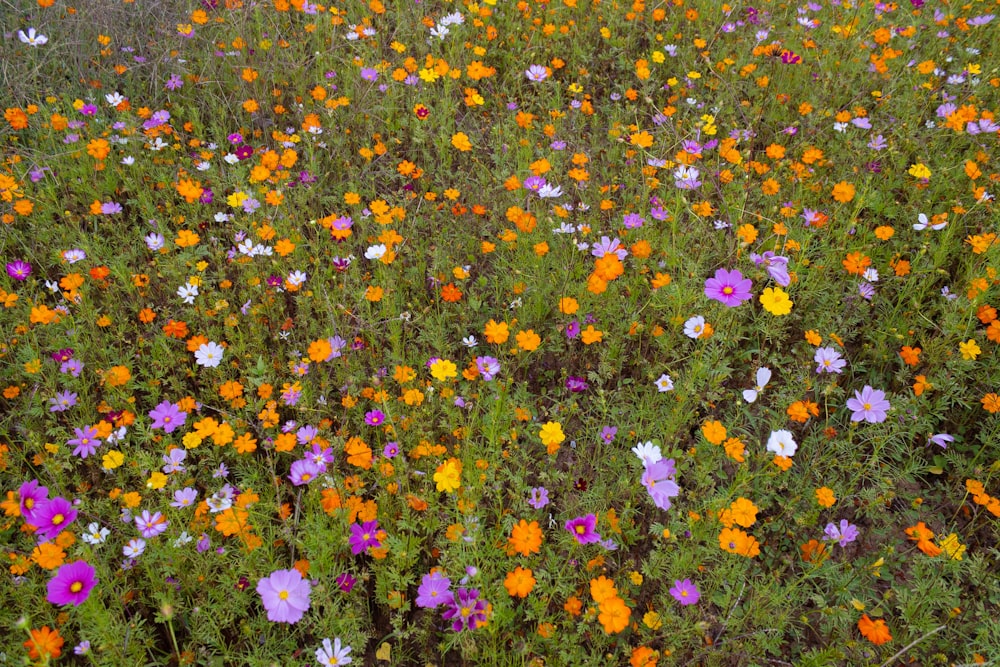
(498, 332)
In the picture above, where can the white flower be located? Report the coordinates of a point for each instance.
(333, 655)
(128, 160)
(209, 354)
(52, 286)
(470, 341)
(187, 292)
(134, 548)
(439, 31)
(183, 539)
(375, 251)
(923, 223)
(296, 278)
(229, 158)
(32, 38)
(95, 534)
(221, 217)
(664, 383)
(870, 274)
(115, 98)
(694, 327)
(647, 452)
(549, 191)
(158, 145)
(452, 19)
(763, 377)
(782, 443)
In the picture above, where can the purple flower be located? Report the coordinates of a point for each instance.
(72, 583)
(868, 405)
(829, 360)
(174, 460)
(174, 82)
(576, 384)
(184, 497)
(608, 246)
(51, 517)
(62, 355)
(303, 472)
(534, 183)
(632, 221)
(285, 595)
(572, 329)
(346, 582)
(467, 608)
(539, 497)
(776, 265)
(110, 208)
(433, 591)
(582, 529)
(685, 592)
(659, 481)
(167, 416)
(844, 534)
(728, 287)
(86, 442)
(321, 456)
(31, 495)
(942, 440)
(62, 401)
(305, 434)
(369, 74)
(391, 450)
(374, 418)
(151, 525)
(608, 434)
(488, 367)
(364, 536)
(72, 366)
(18, 269)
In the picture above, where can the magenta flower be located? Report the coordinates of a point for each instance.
(433, 591)
(72, 583)
(18, 269)
(167, 416)
(32, 496)
(285, 595)
(685, 592)
(868, 405)
(374, 418)
(467, 608)
(51, 517)
(582, 529)
(728, 287)
(364, 536)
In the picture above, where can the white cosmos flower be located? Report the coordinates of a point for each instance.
(32, 38)
(647, 452)
(209, 354)
(375, 251)
(782, 443)
(187, 292)
(763, 377)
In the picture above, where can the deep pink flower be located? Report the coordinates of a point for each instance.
(72, 583)
(167, 416)
(685, 592)
(728, 287)
(52, 516)
(582, 529)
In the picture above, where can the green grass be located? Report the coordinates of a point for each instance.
(789, 161)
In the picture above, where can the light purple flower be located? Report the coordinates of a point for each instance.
(537, 73)
(303, 471)
(369, 73)
(868, 405)
(488, 367)
(828, 360)
(608, 434)
(167, 416)
(86, 442)
(658, 479)
(433, 591)
(174, 460)
(151, 525)
(728, 287)
(776, 266)
(184, 497)
(942, 440)
(62, 401)
(285, 595)
(18, 269)
(391, 450)
(632, 221)
(845, 534)
(608, 246)
(539, 497)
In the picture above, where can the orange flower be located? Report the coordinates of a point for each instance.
(991, 403)
(843, 192)
(910, 355)
(877, 632)
(856, 263)
(602, 589)
(528, 340)
(825, 497)
(800, 411)
(451, 294)
(519, 582)
(525, 538)
(739, 542)
(496, 333)
(923, 535)
(614, 615)
(714, 432)
(813, 551)
(177, 330)
(44, 643)
(573, 606)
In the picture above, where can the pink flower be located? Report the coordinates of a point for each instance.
(868, 405)
(285, 595)
(685, 592)
(72, 583)
(582, 529)
(728, 287)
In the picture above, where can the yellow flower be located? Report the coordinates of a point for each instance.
(448, 475)
(156, 481)
(951, 546)
(461, 142)
(970, 349)
(112, 459)
(552, 435)
(919, 170)
(442, 369)
(775, 301)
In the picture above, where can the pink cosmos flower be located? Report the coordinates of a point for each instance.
(285, 595)
(728, 287)
(868, 405)
(72, 583)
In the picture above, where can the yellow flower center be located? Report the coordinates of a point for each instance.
(283, 595)
(868, 406)
(727, 290)
(580, 530)
(76, 587)
(58, 519)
